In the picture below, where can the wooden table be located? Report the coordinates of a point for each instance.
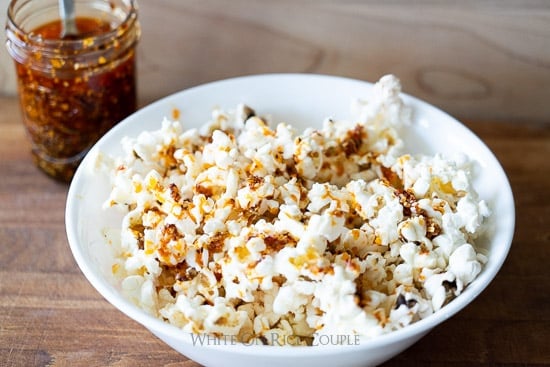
(51, 316)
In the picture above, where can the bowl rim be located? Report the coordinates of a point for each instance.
(158, 327)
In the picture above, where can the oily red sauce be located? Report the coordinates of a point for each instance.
(87, 27)
(66, 113)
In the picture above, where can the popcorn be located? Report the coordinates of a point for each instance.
(277, 237)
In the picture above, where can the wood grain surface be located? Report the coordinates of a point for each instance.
(478, 60)
(51, 316)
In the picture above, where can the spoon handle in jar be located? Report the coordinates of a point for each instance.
(67, 14)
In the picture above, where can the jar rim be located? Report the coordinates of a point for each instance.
(126, 25)
(63, 57)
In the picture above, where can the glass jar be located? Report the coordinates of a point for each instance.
(72, 88)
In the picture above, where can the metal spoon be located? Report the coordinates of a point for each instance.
(66, 12)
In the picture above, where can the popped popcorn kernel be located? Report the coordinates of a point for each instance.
(280, 237)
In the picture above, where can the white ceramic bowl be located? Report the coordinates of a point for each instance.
(299, 99)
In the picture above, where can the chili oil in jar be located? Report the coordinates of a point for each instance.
(72, 88)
